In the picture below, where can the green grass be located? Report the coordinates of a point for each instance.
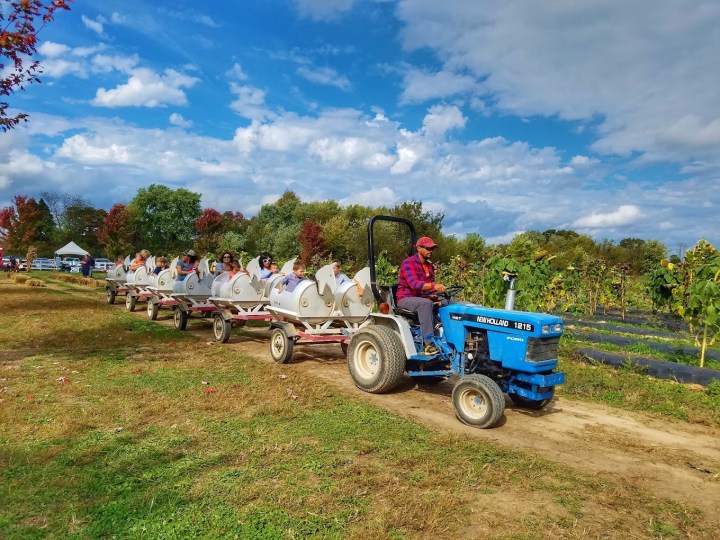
(112, 426)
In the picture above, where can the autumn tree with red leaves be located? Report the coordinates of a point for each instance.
(117, 232)
(312, 243)
(19, 224)
(20, 24)
(210, 227)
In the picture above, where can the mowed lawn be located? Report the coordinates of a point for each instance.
(112, 426)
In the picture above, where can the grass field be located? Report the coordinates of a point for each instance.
(112, 426)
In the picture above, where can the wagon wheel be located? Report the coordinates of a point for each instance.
(344, 345)
(110, 295)
(180, 318)
(532, 404)
(153, 308)
(478, 401)
(130, 302)
(221, 328)
(281, 346)
(376, 359)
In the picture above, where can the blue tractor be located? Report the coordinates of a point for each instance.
(493, 351)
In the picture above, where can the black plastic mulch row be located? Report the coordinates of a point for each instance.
(655, 368)
(660, 347)
(668, 322)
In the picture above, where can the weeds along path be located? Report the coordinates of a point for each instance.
(668, 458)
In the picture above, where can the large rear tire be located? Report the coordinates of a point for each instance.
(130, 302)
(376, 359)
(180, 318)
(478, 401)
(531, 404)
(153, 308)
(221, 328)
(110, 295)
(281, 346)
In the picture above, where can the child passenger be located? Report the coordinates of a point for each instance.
(289, 282)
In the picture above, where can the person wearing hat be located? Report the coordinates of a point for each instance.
(417, 288)
(186, 265)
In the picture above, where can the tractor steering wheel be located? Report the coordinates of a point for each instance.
(452, 291)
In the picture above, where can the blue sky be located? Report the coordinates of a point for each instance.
(597, 116)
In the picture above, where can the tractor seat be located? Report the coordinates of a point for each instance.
(408, 314)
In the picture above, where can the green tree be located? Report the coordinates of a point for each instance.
(164, 218)
(81, 223)
(472, 248)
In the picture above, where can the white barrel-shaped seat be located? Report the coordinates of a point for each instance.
(270, 283)
(118, 274)
(304, 302)
(140, 277)
(192, 285)
(241, 289)
(163, 281)
(353, 301)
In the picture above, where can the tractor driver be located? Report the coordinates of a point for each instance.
(417, 288)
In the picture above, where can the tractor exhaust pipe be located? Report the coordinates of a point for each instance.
(510, 298)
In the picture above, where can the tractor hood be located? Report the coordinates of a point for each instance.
(537, 325)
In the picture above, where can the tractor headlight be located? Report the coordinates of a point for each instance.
(545, 329)
(558, 327)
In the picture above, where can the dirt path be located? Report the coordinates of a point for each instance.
(670, 459)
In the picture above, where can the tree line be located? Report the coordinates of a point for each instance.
(169, 221)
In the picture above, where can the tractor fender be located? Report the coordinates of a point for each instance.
(399, 325)
(289, 328)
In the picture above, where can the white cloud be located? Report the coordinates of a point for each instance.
(420, 86)
(249, 101)
(351, 151)
(370, 197)
(102, 63)
(324, 75)
(94, 25)
(441, 119)
(583, 161)
(145, 88)
(178, 120)
(624, 215)
(236, 72)
(50, 49)
(647, 71)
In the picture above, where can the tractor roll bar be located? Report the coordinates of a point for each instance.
(371, 248)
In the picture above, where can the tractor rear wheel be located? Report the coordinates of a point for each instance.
(110, 295)
(376, 359)
(153, 308)
(221, 328)
(478, 401)
(130, 302)
(531, 404)
(180, 318)
(281, 346)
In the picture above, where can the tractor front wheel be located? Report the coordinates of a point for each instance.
(376, 359)
(221, 328)
(478, 401)
(281, 346)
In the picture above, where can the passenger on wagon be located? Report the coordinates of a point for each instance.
(139, 260)
(289, 282)
(265, 262)
(224, 264)
(161, 264)
(186, 265)
(340, 278)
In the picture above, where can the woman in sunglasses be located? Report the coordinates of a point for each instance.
(224, 264)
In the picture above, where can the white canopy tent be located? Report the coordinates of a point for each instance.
(70, 249)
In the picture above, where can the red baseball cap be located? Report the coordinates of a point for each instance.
(425, 242)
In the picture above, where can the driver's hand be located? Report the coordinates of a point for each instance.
(439, 287)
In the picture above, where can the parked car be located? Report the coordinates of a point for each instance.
(43, 263)
(103, 265)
